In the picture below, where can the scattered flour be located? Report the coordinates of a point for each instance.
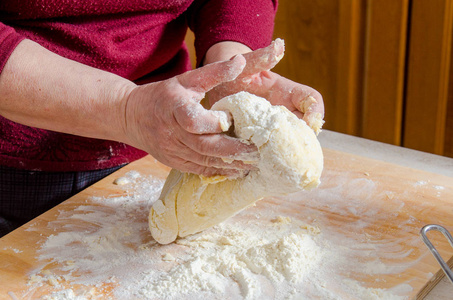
(12, 249)
(106, 252)
(245, 258)
(67, 294)
(367, 293)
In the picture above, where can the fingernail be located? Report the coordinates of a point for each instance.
(279, 42)
(248, 157)
(307, 104)
(315, 121)
(225, 120)
(279, 47)
(237, 174)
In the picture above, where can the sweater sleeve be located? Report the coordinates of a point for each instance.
(9, 39)
(250, 22)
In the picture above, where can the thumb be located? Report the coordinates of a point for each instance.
(192, 116)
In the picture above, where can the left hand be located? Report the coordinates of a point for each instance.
(302, 100)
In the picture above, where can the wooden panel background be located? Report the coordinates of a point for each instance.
(428, 75)
(382, 66)
(384, 75)
(448, 149)
(353, 52)
(324, 47)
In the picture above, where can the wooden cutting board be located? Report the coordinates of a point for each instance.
(373, 209)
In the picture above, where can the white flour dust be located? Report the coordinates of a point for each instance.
(256, 265)
(106, 252)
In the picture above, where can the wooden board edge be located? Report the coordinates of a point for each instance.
(429, 286)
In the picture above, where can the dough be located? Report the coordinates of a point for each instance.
(291, 160)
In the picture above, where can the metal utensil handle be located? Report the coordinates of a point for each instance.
(433, 249)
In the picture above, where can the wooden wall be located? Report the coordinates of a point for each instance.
(383, 66)
(428, 75)
(324, 48)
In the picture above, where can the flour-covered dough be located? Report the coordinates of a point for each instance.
(291, 160)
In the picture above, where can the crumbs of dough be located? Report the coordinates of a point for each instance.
(311, 229)
(168, 257)
(281, 220)
(128, 178)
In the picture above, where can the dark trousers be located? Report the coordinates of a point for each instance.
(25, 195)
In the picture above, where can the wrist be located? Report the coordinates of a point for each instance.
(123, 108)
(224, 51)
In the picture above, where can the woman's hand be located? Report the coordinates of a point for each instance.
(256, 78)
(42, 89)
(166, 120)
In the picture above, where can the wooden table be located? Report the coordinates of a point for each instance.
(372, 194)
(441, 287)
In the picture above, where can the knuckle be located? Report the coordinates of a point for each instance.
(209, 171)
(182, 165)
(191, 167)
(192, 123)
(188, 118)
(210, 161)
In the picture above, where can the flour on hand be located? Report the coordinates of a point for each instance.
(291, 160)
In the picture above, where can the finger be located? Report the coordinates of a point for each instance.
(315, 121)
(264, 59)
(205, 78)
(190, 167)
(311, 105)
(220, 145)
(194, 118)
(215, 162)
(186, 153)
(307, 100)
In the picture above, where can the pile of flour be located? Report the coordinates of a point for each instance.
(106, 251)
(242, 262)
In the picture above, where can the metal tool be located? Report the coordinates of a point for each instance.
(433, 249)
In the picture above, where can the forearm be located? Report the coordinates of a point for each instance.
(41, 89)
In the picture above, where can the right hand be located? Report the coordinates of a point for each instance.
(256, 78)
(166, 120)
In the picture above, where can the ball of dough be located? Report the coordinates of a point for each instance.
(291, 160)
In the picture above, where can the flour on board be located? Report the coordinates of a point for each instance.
(105, 251)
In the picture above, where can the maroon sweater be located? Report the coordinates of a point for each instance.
(140, 40)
